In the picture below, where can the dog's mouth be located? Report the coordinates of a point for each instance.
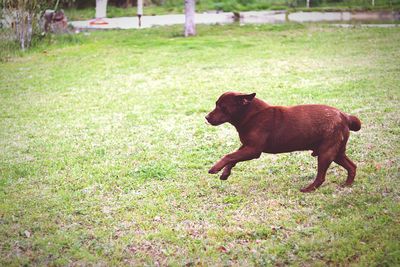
(216, 123)
(211, 122)
(214, 120)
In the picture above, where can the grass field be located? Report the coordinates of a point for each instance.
(104, 151)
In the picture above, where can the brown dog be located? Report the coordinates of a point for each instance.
(277, 129)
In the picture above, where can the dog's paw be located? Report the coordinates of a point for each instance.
(307, 189)
(213, 170)
(224, 176)
(346, 184)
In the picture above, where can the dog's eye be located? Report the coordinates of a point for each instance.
(224, 109)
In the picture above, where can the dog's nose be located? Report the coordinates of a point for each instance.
(207, 119)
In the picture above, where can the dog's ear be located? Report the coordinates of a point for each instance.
(245, 99)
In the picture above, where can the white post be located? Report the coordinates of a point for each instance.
(101, 9)
(190, 26)
(308, 3)
(139, 12)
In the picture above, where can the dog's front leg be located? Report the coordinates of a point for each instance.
(244, 153)
(227, 171)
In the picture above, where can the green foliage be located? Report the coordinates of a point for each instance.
(239, 5)
(104, 149)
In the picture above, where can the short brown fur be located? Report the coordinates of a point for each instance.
(279, 129)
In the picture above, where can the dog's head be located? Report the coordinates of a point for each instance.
(229, 107)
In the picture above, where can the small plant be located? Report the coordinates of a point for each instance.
(23, 16)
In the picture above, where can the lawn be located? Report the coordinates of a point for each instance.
(104, 150)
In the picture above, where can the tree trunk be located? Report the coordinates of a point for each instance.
(29, 29)
(23, 28)
(19, 26)
(101, 9)
(308, 3)
(139, 7)
(190, 26)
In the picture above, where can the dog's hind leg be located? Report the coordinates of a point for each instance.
(324, 160)
(346, 163)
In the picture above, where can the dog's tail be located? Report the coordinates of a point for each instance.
(354, 123)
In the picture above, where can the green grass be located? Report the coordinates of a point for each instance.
(104, 151)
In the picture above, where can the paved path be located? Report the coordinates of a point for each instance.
(259, 17)
(200, 18)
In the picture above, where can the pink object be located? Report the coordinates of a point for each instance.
(98, 21)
